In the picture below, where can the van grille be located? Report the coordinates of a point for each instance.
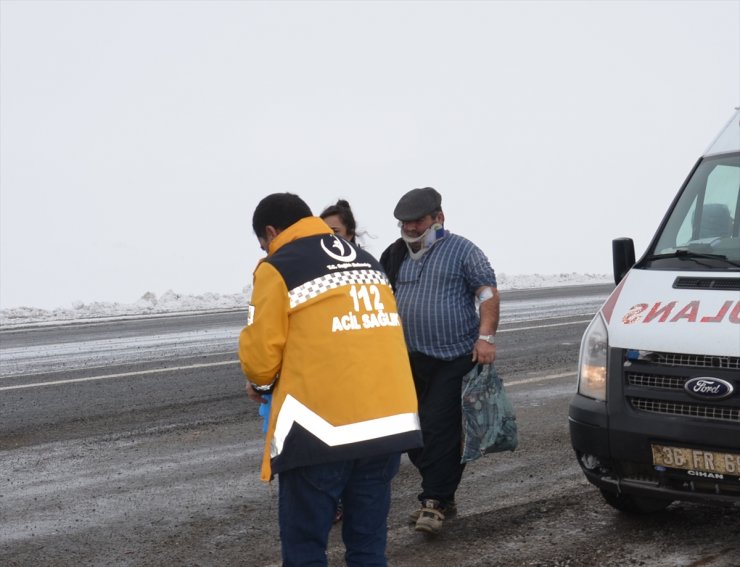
(690, 360)
(717, 413)
(654, 382)
(722, 284)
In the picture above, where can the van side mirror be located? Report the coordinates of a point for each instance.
(623, 257)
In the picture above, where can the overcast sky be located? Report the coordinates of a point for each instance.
(137, 137)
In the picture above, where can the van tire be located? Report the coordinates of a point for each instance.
(630, 504)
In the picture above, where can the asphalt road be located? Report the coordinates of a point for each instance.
(131, 442)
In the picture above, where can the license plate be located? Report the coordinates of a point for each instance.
(696, 460)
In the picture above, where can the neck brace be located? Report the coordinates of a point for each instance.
(427, 240)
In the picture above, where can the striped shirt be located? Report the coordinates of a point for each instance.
(436, 297)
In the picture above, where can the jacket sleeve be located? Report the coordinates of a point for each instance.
(391, 260)
(262, 341)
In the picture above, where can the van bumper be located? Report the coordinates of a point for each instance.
(619, 459)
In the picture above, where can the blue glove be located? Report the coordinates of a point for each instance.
(265, 411)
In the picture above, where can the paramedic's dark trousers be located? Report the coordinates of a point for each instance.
(308, 501)
(438, 389)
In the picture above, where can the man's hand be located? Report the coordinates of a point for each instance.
(253, 394)
(484, 352)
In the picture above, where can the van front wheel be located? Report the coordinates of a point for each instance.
(635, 504)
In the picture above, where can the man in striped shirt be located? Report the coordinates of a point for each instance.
(449, 306)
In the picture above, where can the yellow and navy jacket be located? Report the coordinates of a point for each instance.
(323, 326)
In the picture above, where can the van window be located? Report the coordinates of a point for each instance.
(705, 217)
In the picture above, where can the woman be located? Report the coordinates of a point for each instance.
(340, 218)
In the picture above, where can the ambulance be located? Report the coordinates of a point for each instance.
(656, 417)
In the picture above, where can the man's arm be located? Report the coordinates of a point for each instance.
(262, 341)
(484, 352)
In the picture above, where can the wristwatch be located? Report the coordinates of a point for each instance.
(490, 339)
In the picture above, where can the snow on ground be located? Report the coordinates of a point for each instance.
(172, 302)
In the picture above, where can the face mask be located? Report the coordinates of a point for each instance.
(427, 240)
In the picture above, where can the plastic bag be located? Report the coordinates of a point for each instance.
(489, 422)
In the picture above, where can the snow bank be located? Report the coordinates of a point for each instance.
(528, 281)
(171, 302)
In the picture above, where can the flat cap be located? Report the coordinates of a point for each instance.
(417, 203)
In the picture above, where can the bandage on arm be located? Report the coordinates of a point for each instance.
(485, 294)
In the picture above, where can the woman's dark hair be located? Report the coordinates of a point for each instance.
(279, 210)
(344, 211)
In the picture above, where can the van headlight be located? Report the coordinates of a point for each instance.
(592, 362)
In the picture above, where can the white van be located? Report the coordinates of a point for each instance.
(657, 414)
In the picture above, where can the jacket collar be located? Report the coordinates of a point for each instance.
(308, 226)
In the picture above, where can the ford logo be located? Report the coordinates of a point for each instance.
(709, 388)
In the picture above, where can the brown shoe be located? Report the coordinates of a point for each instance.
(431, 517)
(449, 511)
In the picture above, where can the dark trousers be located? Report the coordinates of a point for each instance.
(438, 389)
(307, 503)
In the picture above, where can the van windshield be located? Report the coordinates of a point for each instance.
(703, 229)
